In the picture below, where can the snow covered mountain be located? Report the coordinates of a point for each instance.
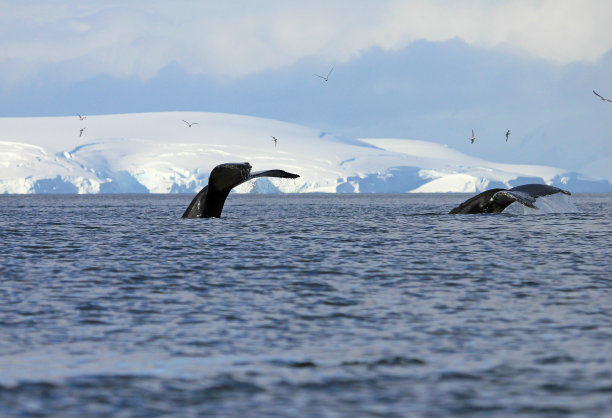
(159, 153)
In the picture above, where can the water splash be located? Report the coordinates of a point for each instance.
(557, 203)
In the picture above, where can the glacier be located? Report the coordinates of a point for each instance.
(158, 153)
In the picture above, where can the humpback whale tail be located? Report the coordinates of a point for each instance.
(496, 200)
(209, 202)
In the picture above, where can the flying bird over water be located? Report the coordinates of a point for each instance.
(81, 117)
(189, 124)
(473, 137)
(81, 131)
(275, 139)
(326, 78)
(603, 99)
(507, 135)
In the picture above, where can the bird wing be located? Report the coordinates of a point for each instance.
(320, 76)
(330, 71)
(598, 95)
(185, 121)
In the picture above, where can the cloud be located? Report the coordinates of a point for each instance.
(77, 40)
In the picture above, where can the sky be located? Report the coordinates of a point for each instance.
(428, 70)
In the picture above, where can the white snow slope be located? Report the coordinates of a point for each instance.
(159, 153)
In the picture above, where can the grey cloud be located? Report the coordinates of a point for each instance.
(238, 38)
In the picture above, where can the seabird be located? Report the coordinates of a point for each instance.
(473, 137)
(507, 135)
(81, 117)
(275, 141)
(603, 99)
(189, 124)
(326, 78)
(81, 131)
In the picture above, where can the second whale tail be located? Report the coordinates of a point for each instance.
(496, 200)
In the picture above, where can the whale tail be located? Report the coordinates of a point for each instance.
(538, 190)
(504, 198)
(208, 203)
(496, 200)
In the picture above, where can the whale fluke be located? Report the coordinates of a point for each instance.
(209, 202)
(496, 200)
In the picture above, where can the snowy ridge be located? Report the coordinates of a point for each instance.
(159, 153)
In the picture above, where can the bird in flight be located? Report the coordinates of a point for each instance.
(473, 137)
(326, 78)
(603, 99)
(507, 135)
(81, 117)
(81, 131)
(189, 124)
(275, 139)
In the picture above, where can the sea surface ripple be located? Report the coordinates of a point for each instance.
(303, 305)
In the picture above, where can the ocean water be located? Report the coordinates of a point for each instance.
(304, 305)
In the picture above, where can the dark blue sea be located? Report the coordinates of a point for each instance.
(304, 306)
